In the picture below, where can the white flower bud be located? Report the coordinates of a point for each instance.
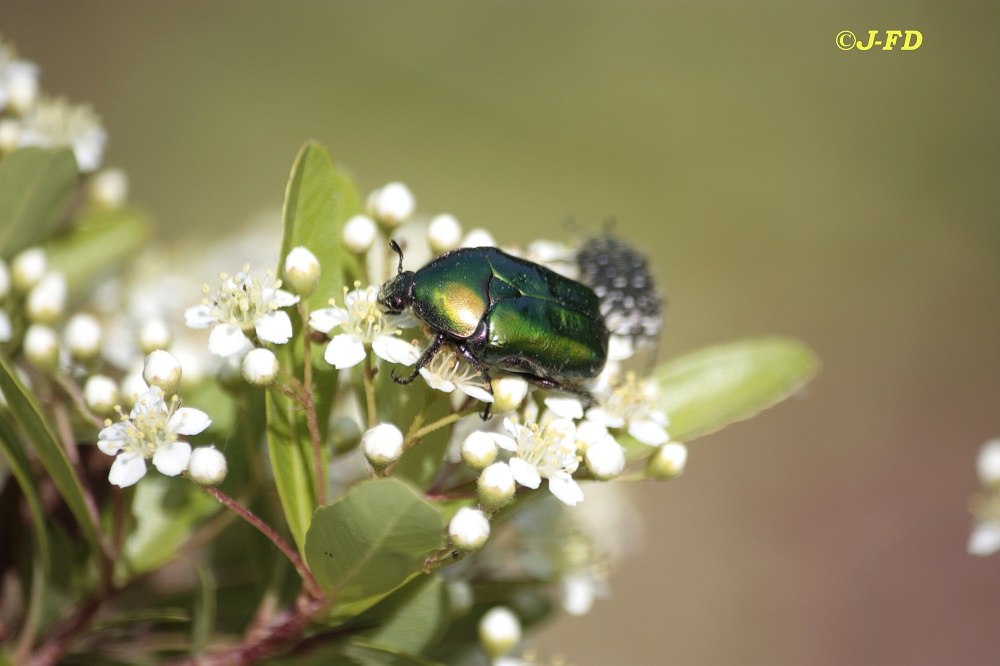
(47, 299)
(41, 346)
(509, 392)
(444, 233)
(22, 84)
(988, 464)
(260, 367)
(4, 279)
(164, 370)
(984, 540)
(382, 444)
(28, 267)
(605, 458)
(479, 238)
(154, 334)
(495, 486)
(10, 135)
(6, 328)
(132, 386)
(83, 336)
(392, 204)
(207, 466)
(109, 188)
(479, 450)
(359, 233)
(667, 462)
(499, 631)
(101, 395)
(469, 529)
(302, 271)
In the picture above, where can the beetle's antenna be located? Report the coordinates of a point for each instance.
(395, 247)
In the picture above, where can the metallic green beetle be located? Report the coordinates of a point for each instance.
(499, 311)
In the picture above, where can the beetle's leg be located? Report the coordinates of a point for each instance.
(553, 385)
(467, 355)
(424, 359)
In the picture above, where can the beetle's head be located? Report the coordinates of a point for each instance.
(396, 294)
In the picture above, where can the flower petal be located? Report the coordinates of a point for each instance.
(199, 316)
(274, 327)
(324, 320)
(111, 439)
(172, 459)
(283, 298)
(395, 350)
(601, 416)
(344, 351)
(188, 421)
(620, 348)
(127, 469)
(437, 382)
(985, 539)
(576, 592)
(648, 432)
(564, 406)
(477, 392)
(524, 473)
(226, 340)
(565, 488)
(503, 441)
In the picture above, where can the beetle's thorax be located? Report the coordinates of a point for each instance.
(396, 295)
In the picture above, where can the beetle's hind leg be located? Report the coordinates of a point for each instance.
(424, 359)
(467, 355)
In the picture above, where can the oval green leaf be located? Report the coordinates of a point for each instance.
(35, 187)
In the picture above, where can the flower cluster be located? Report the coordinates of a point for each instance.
(985, 537)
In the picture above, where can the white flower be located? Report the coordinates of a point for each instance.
(101, 394)
(448, 371)
(109, 188)
(241, 305)
(382, 444)
(6, 330)
(154, 334)
(47, 299)
(632, 404)
(54, 123)
(162, 369)
(985, 539)
(260, 367)
(577, 592)
(151, 431)
(605, 458)
(479, 238)
(392, 204)
(565, 406)
(499, 631)
(544, 450)
(495, 486)
(363, 324)
(83, 336)
(302, 271)
(41, 346)
(667, 462)
(444, 233)
(509, 392)
(359, 233)
(988, 464)
(133, 386)
(28, 267)
(207, 466)
(469, 529)
(20, 81)
(479, 449)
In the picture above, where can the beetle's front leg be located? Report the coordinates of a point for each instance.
(424, 359)
(467, 355)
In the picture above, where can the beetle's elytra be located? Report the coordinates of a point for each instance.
(503, 312)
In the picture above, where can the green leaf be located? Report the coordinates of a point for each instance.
(371, 541)
(166, 512)
(290, 451)
(410, 619)
(363, 654)
(100, 241)
(318, 200)
(713, 387)
(29, 416)
(35, 186)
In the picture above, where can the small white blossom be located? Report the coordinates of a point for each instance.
(565, 406)
(52, 123)
(479, 449)
(447, 372)
(243, 304)
(632, 404)
(479, 238)
(444, 233)
(469, 529)
(162, 369)
(988, 464)
(382, 444)
(41, 346)
(985, 539)
(151, 431)
(109, 188)
(28, 267)
(359, 233)
(667, 462)
(47, 299)
(620, 348)
(544, 450)
(605, 458)
(101, 395)
(83, 336)
(363, 324)
(154, 334)
(499, 631)
(260, 367)
(495, 486)
(207, 466)
(509, 392)
(10, 135)
(20, 82)
(6, 329)
(392, 204)
(302, 271)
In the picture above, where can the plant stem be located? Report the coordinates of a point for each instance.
(412, 438)
(308, 582)
(368, 375)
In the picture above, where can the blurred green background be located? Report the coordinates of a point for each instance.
(779, 184)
